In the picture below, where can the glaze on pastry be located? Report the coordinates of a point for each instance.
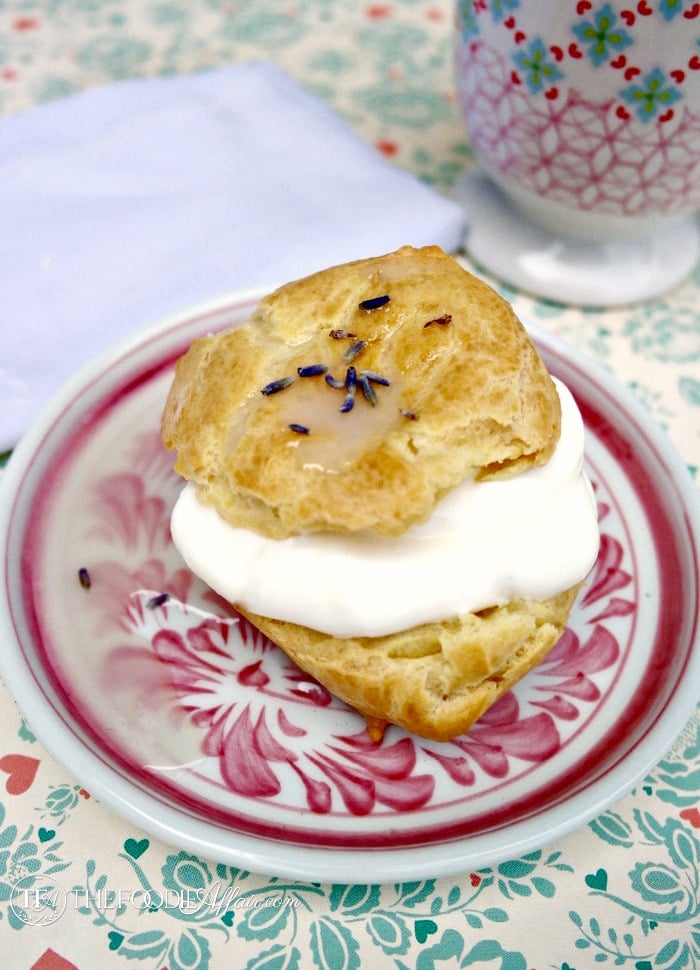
(455, 355)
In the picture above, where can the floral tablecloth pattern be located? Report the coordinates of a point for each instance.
(622, 891)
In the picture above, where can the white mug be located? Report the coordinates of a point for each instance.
(586, 114)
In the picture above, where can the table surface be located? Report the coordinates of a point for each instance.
(622, 891)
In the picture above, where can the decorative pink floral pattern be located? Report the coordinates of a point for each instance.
(253, 706)
(255, 709)
(213, 715)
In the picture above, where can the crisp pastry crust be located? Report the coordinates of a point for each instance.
(434, 680)
(468, 395)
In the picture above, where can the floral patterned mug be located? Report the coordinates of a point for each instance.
(587, 113)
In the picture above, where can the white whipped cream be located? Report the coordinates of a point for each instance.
(530, 536)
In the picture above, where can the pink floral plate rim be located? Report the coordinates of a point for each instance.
(374, 814)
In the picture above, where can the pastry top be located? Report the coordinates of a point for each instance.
(357, 397)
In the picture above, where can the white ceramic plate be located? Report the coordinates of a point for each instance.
(186, 721)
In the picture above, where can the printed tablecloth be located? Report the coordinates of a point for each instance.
(624, 890)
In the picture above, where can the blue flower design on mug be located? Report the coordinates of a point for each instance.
(602, 37)
(539, 69)
(652, 96)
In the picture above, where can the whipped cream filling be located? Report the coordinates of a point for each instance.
(530, 536)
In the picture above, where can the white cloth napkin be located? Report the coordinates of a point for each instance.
(127, 202)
